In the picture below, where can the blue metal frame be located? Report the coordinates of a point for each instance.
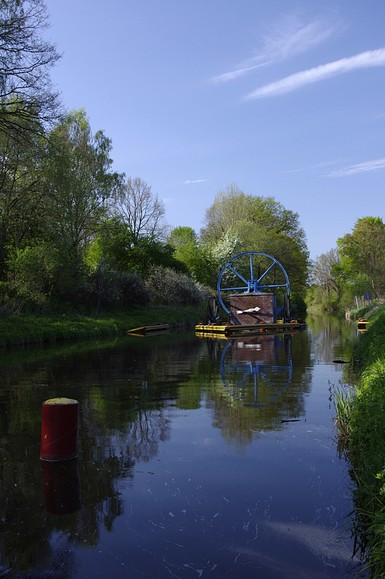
(251, 285)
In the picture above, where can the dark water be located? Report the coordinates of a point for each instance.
(197, 458)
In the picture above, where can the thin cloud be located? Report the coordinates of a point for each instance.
(368, 166)
(292, 37)
(309, 167)
(193, 181)
(286, 39)
(293, 82)
(237, 73)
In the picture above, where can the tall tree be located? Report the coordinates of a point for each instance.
(27, 100)
(323, 272)
(79, 185)
(363, 252)
(141, 210)
(21, 194)
(260, 224)
(197, 257)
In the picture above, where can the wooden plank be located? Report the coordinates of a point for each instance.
(142, 330)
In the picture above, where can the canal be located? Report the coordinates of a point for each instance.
(197, 458)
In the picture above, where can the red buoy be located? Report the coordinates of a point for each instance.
(59, 429)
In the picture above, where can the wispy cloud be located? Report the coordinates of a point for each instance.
(287, 38)
(300, 79)
(237, 73)
(193, 181)
(367, 166)
(314, 167)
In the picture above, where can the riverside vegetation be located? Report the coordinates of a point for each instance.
(32, 329)
(360, 418)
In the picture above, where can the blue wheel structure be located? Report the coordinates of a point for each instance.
(254, 272)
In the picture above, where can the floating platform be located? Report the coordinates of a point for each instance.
(231, 330)
(146, 330)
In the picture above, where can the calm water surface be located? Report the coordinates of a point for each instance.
(197, 458)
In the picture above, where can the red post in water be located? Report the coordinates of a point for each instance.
(59, 429)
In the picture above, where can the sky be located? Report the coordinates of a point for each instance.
(281, 98)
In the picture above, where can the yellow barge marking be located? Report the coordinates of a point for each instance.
(232, 330)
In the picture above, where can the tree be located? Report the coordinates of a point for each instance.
(363, 252)
(141, 209)
(259, 224)
(27, 101)
(323, 272)
(230, 208)
(21, 194)
(197, 256)
(79, 188)
(326, 282)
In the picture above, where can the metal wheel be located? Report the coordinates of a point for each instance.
(253, 272)
(212, 311)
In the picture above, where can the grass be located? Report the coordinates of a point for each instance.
(361, 420)
(29, 329)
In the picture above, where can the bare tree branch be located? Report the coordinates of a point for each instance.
(27, 100)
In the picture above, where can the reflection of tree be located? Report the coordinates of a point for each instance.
(332, 337)
(122, 394)
(145, 433)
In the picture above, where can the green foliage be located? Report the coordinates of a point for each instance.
(354, 269)
(362, 254)
(32, 272)
(238, 222)
(197, 257)
(114, 247)
(362, 419)
(21, 193)
(79, 181)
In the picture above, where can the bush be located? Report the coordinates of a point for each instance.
(113, 289)
(168, 287)
(31, 273)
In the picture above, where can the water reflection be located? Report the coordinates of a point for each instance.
(61, 486)
(265, 361)
(190, 462)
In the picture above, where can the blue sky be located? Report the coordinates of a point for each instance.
(282, 98)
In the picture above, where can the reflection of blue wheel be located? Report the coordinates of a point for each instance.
(252, 272)
(238, 377)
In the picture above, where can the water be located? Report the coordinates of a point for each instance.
(197, 458)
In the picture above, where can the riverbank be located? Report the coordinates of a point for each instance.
(29, 329)
(360, 416)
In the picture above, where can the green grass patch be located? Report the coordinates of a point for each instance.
(21, 330)
(361, 418)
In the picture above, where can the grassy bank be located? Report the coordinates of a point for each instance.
(361, 419)
(22, 330)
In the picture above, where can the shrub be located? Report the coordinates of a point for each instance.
(31, 273)
(168, 287)
(112, 289)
